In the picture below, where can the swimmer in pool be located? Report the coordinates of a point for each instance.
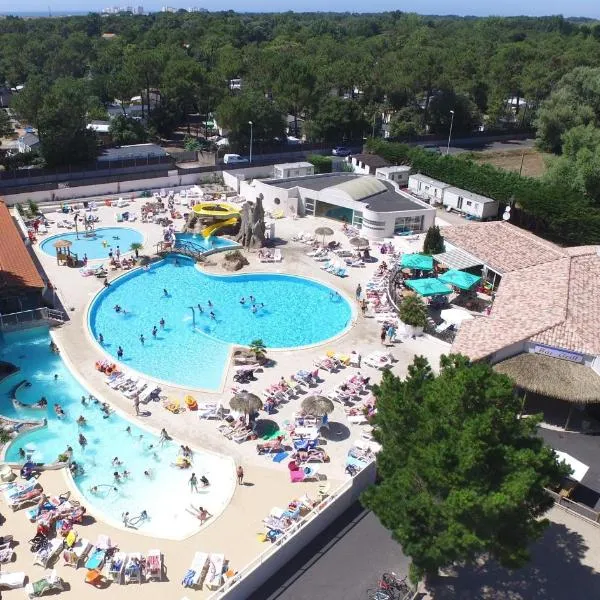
(200, 308)
(212, 316)
(116, 462)
(81, 420)
(254, 309)
(165, 292)
(242, 300)
(210, 304)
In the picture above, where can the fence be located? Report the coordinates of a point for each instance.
(581, 510)
(255, 574)
(30, 318)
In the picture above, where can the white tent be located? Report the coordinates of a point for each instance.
(579, 469)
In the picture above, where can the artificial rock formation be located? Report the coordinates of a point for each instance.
(252, 224)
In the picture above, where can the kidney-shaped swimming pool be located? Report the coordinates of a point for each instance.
(205, 314)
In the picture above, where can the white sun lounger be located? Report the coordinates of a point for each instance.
(46, 555)
(133, 569)
(211, 412)
(12, 580)
(214, 578)
(74, 556)
(116, 567)
(141, 385)
(197, 571)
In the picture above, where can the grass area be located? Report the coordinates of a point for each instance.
(510, 160)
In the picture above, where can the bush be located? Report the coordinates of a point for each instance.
(413, 311)
(322, 164)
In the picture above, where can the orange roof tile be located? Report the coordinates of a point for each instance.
(17, 268)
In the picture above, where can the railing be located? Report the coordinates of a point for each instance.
(580, 510)
(190, 249)
(365, 477)
(27, 317)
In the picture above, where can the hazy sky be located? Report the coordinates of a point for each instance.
(579, 8)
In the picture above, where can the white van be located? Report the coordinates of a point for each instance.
(233, 159)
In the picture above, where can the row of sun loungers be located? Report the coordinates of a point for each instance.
(206, 569)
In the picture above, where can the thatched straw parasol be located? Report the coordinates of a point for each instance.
(552, 377)
(246, 403)
(360, 243)
(62, 244)
(317, 406)
(324, 231)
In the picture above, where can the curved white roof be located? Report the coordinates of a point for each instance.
(361, 187)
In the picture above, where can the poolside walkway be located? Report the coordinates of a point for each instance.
(234, 532)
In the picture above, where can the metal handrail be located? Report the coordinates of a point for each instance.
(28, 316)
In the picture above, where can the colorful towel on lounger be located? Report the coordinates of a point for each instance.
(280, 456)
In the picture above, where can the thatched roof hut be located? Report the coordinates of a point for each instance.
(553, 377)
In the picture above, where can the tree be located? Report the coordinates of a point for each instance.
(62, 124)
(462, 475)
(6, 128)
(235, 112)
(413, 311)
(258, 348)
(337, 119)
(124, 131)
(466, 115)
(434, 241)
(136, 247)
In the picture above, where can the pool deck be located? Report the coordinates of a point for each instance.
(233, 533)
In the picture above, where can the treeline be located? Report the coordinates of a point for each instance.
(552, 210)
(336, 74)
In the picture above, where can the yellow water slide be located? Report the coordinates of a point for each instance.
(208, 231)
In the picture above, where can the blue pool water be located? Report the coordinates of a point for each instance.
(210, 243)
(296, 312)
(97, 245)
(106, 439)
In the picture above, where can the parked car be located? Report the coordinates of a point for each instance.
(234, 159)
(341, 151)
(432, 148)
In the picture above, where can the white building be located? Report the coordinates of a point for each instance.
(367, 164)
(28, 142)
(469, 203)
(297, 169)
(377, 207)
(398, 174)
(426, 187)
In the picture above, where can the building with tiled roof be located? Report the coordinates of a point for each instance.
(545, 305)
(20, 281)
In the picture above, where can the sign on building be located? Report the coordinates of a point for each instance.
(558, 353)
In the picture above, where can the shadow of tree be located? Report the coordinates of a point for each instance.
(554, 573)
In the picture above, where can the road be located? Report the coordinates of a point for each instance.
(343, 562)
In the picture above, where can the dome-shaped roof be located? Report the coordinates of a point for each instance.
(361, 187)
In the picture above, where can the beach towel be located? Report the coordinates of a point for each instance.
(280, 456)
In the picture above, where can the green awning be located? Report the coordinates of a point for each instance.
(422, 262)
(460, 279)
(428, 287)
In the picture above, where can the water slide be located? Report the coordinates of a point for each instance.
(208, 231)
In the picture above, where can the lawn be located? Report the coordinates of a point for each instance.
(533, 160)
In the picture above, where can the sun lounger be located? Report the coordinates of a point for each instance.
(116, 567)
(214, 578)
(74, 555)
(96, 558)
(211, 412)
(14, 489)
(154, 566)
(358, 419)
(134, 568)
(48, 553)
(194, 576)
(6, 553)
(50, 583)
(137, 389)
(378, 360)
(12, 581)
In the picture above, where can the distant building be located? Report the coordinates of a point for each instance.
(28, 142)
(133, 152)
(297, 169)
(366, 164)
(102, 130)
(168, 9)
(235, 84)
(140, 10)
(108, 36)
(398, 174)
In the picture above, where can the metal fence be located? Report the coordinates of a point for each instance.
(31, 318)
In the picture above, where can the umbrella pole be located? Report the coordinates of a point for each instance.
(569, 416)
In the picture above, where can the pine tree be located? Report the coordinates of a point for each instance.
(434, 242)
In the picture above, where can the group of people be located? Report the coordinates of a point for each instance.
(254, 305)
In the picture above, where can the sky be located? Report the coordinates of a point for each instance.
(571, 8)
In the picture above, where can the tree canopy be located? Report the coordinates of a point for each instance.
(462, 476)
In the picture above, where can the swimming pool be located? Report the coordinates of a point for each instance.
(193, 348)
(98, 244)
(211, 243)
(165, 496)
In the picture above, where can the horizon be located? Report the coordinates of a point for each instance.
(442, 8)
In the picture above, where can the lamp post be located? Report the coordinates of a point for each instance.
(251, 125)
(450, 133)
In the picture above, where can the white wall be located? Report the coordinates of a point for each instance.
(261, 570)
(234, 177)
(432, 191)
(400, 177)
(286, 172)
(288, 200)
(120, 187)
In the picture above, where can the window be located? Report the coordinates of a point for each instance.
(404, 224)
(469, 203)
(357, 219)
(374, 223)
(277, 201)
(309, 206)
